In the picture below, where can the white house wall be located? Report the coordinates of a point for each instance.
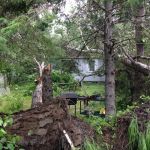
(83, 66)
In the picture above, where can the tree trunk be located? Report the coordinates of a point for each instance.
(139, 19)
(37, 95)
(109, 62)
(139, 77)
(47, 92)
(43, 91)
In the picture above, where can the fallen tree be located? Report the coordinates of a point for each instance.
(134, 64)
(138, 66)
(45, 127)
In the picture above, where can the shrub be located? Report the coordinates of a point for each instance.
(62, 81)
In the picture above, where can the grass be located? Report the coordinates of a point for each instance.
(88, 89)
(91, 88)
(21, 95)
(18, 99)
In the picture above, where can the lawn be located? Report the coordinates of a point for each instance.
(18, 99)
(21, 95)
(88, 89)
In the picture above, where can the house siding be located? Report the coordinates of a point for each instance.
(84, 69)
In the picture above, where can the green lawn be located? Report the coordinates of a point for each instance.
(87, 90)
(18, 99)
(91, 88)
(21, 95)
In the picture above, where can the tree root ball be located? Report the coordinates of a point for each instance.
(41, 128)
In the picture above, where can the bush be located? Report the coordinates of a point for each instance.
(63, 81)
(61, 77)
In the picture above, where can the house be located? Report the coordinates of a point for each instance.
(87, 69)
(87, 63)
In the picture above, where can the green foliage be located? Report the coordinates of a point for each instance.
(97, 123)
(21, 40)
(133, 132)
(13, 104)
(19, 98)
(145, 98)
(142, 143)
(3, 45)
(137, 139)
(7, 141)
(91, 145)
(147, 136)
(14, 26)
(91, 88)
(134, 2)
(62, 81)
(127, 110)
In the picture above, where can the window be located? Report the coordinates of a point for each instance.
(92, 65)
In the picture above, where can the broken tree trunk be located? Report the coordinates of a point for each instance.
(47, 92)
(43, 91)
(42, 128)
(37, 95)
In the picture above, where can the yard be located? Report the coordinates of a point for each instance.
(21, 95)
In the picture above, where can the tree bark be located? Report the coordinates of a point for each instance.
(139, 19)
(37, 95)
(109, 62)
(43, 92)
(47, 92)
(138, 82)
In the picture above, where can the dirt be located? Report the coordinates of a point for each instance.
(42, 128)
(143, 116)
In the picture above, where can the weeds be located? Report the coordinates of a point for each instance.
(7, 141)
(138, 140)
(91, 145)
(133, 133)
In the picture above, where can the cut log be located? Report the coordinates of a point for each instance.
(41, 128)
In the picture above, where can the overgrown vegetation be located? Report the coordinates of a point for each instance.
(7, 141)
(137, 139)
(91, 145)
(115, 31)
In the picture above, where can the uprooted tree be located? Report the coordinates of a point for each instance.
(48, 125)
